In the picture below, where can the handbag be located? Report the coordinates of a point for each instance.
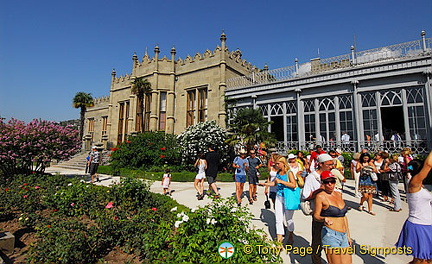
(300, 182)
(305, 207)
(267, 203)
(374, 176)
(292, 198)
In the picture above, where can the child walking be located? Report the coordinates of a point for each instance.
(166, 180)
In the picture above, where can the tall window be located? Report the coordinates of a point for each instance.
(91, 123)
(190, 107)
(126, 120)
(291, 122)
(139, 116)
(104, 125)
(162, 110)
(327, 120)
(202, 105)
(147, 111)
(120, 123)
(346, 115)
(309, 119)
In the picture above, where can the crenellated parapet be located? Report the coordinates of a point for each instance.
(101, 100)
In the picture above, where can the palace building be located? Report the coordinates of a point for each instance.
(183, 92)
(378, 99)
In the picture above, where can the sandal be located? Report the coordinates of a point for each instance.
(250, 202)
(372, 213)
(361, 208)
(394, 210)
(255, 198)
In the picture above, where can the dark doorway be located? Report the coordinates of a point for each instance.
(392, 120)
(277, 127)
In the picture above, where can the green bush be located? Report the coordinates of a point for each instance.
(66, 241)
(199, 233)
(146, 150)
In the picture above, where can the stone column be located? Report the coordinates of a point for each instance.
(155, 98)
(170, 120)
(222, 83)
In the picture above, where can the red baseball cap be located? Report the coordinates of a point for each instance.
(327, 175)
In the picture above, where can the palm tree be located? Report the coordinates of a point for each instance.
(82, 100)
(140, 87)
(249, 127)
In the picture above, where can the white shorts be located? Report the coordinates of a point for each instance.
(200, 176)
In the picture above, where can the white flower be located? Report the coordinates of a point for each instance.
(174, 209)
(208, 220)
(82, 180)
(70, 184)
(234, 210)
(177, 224)
(213, 221)
(194, 209)
(185, 218)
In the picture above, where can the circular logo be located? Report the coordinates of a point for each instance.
(226, 250)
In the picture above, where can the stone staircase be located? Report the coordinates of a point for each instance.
(77, 162)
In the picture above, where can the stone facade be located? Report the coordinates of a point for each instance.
(184, 92)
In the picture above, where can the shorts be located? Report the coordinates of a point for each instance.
(272, 195)
(240, 178)
(253, 179)
(200, 176)
(93, 168)
(334, 239)
(211, 179)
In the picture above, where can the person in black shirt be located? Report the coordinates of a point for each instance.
(213, 160)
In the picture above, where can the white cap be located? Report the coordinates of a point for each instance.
(324, 158)
(292, 156)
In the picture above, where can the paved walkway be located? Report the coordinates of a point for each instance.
(370, 233)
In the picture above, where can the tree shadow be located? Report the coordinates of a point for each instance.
(298, 250)
(269, 220)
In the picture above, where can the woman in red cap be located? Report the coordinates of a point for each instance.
(330, 208)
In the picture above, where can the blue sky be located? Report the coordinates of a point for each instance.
(50, 50)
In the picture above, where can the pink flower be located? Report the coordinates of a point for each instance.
(37, 187)
(109, 205)
(72, 204)
(25, 196)
(154, 209)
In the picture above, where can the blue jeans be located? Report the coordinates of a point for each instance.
(332, 238)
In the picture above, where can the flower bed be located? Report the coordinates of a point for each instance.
(64, 220)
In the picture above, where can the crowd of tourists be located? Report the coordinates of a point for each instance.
(314, 184)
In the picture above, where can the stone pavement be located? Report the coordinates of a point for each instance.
(370, 233)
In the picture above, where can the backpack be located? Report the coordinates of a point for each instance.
(395, 172)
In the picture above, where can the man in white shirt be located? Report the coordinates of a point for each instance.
(313, 183)
(345, 138)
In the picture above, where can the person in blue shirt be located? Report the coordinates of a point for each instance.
(241, 164)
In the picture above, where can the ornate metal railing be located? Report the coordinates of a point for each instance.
(416, 146)
(415, 48)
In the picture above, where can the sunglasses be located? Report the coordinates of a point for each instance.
(331, 181)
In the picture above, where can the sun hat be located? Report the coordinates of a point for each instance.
(292, 156)
(324, 158)
(327, 175)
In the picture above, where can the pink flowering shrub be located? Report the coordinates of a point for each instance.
(28, 148)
